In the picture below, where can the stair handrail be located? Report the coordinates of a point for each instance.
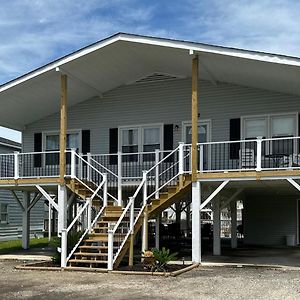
(162, 160)
(104, 176)
(64, 234)
(143, 184)
(105, 168)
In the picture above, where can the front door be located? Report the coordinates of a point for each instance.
(204, 128)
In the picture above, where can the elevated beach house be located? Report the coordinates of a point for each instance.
(117, 132)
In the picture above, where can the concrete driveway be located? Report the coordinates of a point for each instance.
(276, 256)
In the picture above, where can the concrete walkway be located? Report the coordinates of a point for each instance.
(29, 255)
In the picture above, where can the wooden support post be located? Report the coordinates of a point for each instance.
(233, 212)
(194, 117)
(145, 231)
(157, 230)
(130, 263)
(63, 128)
(217, 227)
(26, 221)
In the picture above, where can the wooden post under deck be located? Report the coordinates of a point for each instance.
(63, 128)
(194, 117)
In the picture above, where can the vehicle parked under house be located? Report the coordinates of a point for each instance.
(127, 142)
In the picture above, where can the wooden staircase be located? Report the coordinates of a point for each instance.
(173, 194)
(93, 251)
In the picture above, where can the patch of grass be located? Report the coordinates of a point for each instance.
(10, 246)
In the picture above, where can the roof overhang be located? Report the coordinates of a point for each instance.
(124, 58)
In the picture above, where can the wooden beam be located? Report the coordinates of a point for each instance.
(249, 174)
(63, 128)
(194, 117)
(18, 200)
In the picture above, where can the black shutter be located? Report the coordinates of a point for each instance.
(37, 162)
(168, 140)
(235, 135)
(113, 145)
(86, 141)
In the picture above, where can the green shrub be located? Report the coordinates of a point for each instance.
(162, 258)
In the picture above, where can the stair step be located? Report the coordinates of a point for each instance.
(97, 239)
(164, 195)
(86, 269)
(95, 247)
(114, 208)
(88, 261)
(172, 189)
(155, 202)
(90, 254)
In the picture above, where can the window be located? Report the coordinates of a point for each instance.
(130, 142)
(52, 144)
(255, 127)
(283, 126)
(273, 126)
(146, 138)
(3, 213)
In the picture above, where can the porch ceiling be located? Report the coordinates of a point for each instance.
(124, 58)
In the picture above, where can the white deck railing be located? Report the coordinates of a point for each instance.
(127, 168)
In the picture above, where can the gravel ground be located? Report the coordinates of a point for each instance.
(200, 283)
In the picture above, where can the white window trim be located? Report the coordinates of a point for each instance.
(140, 129)
(52, 132)
(268, 117)
(200, 122)
(7, 213)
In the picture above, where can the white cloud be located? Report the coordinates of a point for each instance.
(34, 32)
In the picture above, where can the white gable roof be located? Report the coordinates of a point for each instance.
(124, 58)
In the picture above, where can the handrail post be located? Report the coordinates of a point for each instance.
(16, 165)
(157, 173)
(73, 163)
(258, 153)
(201, 158)
(89, 214)
(145, 187)
(64, 245)
(131, 199)
(110, 250)
(181, 163)
(119, 178)
(89, 175)
(105, 189)
(180, 159)
(80, 173)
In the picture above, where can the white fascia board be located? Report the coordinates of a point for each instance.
(11, 146)
(189, 46)
(194, 47)
(60, 62)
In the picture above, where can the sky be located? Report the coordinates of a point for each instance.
(34, 32)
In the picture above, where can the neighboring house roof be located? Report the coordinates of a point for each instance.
(124, 58)
(10, 143)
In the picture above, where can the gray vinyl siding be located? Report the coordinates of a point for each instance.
(167, 102)
(13, 229)
(268, 220)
